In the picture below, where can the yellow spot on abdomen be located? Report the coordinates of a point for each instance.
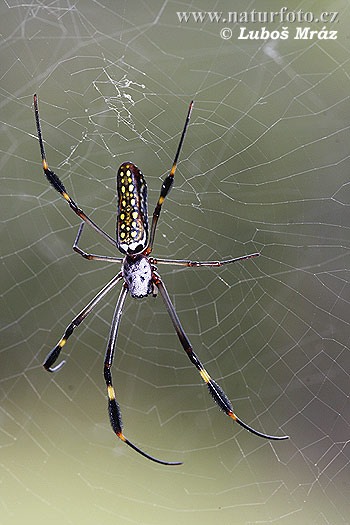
(62, 342)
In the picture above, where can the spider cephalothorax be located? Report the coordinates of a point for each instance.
(137, 273)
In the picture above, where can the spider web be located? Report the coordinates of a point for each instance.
(264, 168)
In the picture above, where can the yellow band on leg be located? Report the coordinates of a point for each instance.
(204, 374)
(110, 391)
(231, 414)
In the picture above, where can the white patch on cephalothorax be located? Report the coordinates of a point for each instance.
(137, 273)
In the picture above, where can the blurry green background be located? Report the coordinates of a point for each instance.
(264, 168)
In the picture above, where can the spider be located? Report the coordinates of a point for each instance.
(138, 273)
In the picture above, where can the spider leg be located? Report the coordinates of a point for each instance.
(113, 407)
(217, 393)
(53, 355)
(192, 264)
(91, 256)
(166, 186)
(58, 185)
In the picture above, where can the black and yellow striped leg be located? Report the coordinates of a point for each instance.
(196, 264)
(58, 185)
(53, 355)
(113, 407)
(217, 393)
(166, 186)
(90, 256)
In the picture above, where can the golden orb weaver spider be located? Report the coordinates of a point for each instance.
(139, 274)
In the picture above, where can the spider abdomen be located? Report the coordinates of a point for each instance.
(137, 273)
(132, 221)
